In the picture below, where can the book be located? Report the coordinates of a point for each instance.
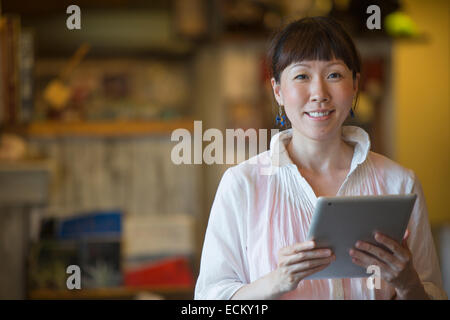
(91, 225)
(89, 240)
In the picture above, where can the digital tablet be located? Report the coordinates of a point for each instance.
(338, 222)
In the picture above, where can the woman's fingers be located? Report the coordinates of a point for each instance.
(407, 234)
(308, 255)
(364, 260)
(381, 254)
(300, 260)
(398, 250)
(304, 274)
(385, 272)
(296, 248)
(405, 238)
(311, 264)
(303, 246)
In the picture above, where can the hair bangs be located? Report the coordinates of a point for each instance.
(312, 39)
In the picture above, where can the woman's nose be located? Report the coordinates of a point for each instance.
(319, 93)
(319, 98)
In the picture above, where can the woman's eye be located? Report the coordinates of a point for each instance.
(335, 75)
(301, 77)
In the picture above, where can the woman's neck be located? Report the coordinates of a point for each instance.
(321, 157)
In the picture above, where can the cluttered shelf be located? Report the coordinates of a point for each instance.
(166, 292)
(101, 128)
(103, 267)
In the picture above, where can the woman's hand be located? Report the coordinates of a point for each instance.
(396, 266)
(294, 264)
(297, 262)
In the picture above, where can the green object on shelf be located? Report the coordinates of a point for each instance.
(399, 24)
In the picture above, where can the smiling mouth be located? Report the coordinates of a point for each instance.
(319, 115)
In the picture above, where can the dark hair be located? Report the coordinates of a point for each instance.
(312, 38)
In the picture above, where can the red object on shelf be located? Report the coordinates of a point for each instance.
(172, 271)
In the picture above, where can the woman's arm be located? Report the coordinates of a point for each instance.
(294, 264)
(261, 289)
(421, 244)
(223, 265)
(416, 292)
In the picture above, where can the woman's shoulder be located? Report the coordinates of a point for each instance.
(253, 169)
(391, 171)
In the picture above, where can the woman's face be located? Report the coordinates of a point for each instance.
(317, 96)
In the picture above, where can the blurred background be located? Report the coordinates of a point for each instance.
(86, 117)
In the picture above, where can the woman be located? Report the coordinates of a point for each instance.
(255, 245)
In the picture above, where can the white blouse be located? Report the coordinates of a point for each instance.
(264, 204)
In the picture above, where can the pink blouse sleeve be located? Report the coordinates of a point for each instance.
(422, 247)
(223, 266)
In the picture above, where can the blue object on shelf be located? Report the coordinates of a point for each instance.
(95, 224)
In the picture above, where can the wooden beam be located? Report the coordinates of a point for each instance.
(111, 129)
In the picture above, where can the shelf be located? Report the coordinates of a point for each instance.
(31, 177)
(177, 292)
(109, 129)
(26, 165)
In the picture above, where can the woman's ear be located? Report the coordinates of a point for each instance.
(277, 91)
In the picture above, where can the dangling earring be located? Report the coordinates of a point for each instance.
(281, 119)
(352, 113)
